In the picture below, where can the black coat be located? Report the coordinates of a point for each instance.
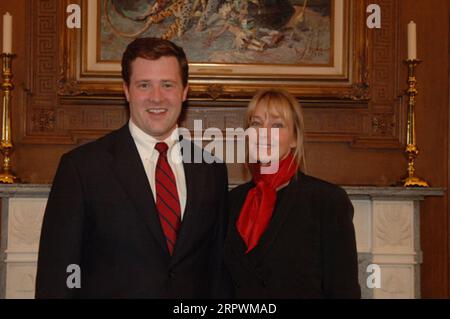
(307, 251)
(101, 215)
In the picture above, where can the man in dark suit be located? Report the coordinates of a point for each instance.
(129, 211)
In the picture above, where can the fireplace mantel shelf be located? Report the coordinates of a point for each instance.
(38, 190)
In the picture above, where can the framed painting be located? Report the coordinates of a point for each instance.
(313, 48)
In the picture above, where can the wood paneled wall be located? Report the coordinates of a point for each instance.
(331, 157)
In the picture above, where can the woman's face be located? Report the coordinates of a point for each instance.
(267, 139)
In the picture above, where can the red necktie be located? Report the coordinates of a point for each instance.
(167, 201)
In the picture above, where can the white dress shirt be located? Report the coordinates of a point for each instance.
(149, 155)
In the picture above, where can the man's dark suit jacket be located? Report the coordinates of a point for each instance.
(307, 251)
(101, 215)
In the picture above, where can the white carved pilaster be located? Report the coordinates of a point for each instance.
(397, 282)
(393, 227)
(24, 229)
(25, 220)
(362, 222)
(20, 282)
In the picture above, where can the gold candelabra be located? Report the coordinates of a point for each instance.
(6, 145)
(411, 148)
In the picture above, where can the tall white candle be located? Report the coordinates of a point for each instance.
(412, 41)
(7, 33)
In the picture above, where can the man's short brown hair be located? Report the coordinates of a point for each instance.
(153, 49)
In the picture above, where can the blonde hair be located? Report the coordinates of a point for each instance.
(289, 109)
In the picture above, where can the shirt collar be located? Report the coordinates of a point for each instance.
(147, 142)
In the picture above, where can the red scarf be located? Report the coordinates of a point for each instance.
(260, 202)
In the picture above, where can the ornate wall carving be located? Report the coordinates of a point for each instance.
(58, 111)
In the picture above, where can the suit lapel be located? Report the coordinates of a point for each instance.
(284, 209)
(237, 243)
(255, 257)
(186, 233)
(131, 173)
(189, 225)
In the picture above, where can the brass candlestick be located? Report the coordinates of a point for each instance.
(411, 148)
(6, 146)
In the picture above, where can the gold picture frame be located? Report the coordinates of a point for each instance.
(83, 73)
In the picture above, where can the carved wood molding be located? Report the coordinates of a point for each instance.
(366, 112)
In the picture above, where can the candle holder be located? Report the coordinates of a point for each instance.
(411, 148)
(6, 145)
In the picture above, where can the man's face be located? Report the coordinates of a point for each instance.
(155, 95)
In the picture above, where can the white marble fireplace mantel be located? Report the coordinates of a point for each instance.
(386, 223)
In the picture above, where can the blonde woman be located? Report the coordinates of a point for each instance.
(290, 235)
